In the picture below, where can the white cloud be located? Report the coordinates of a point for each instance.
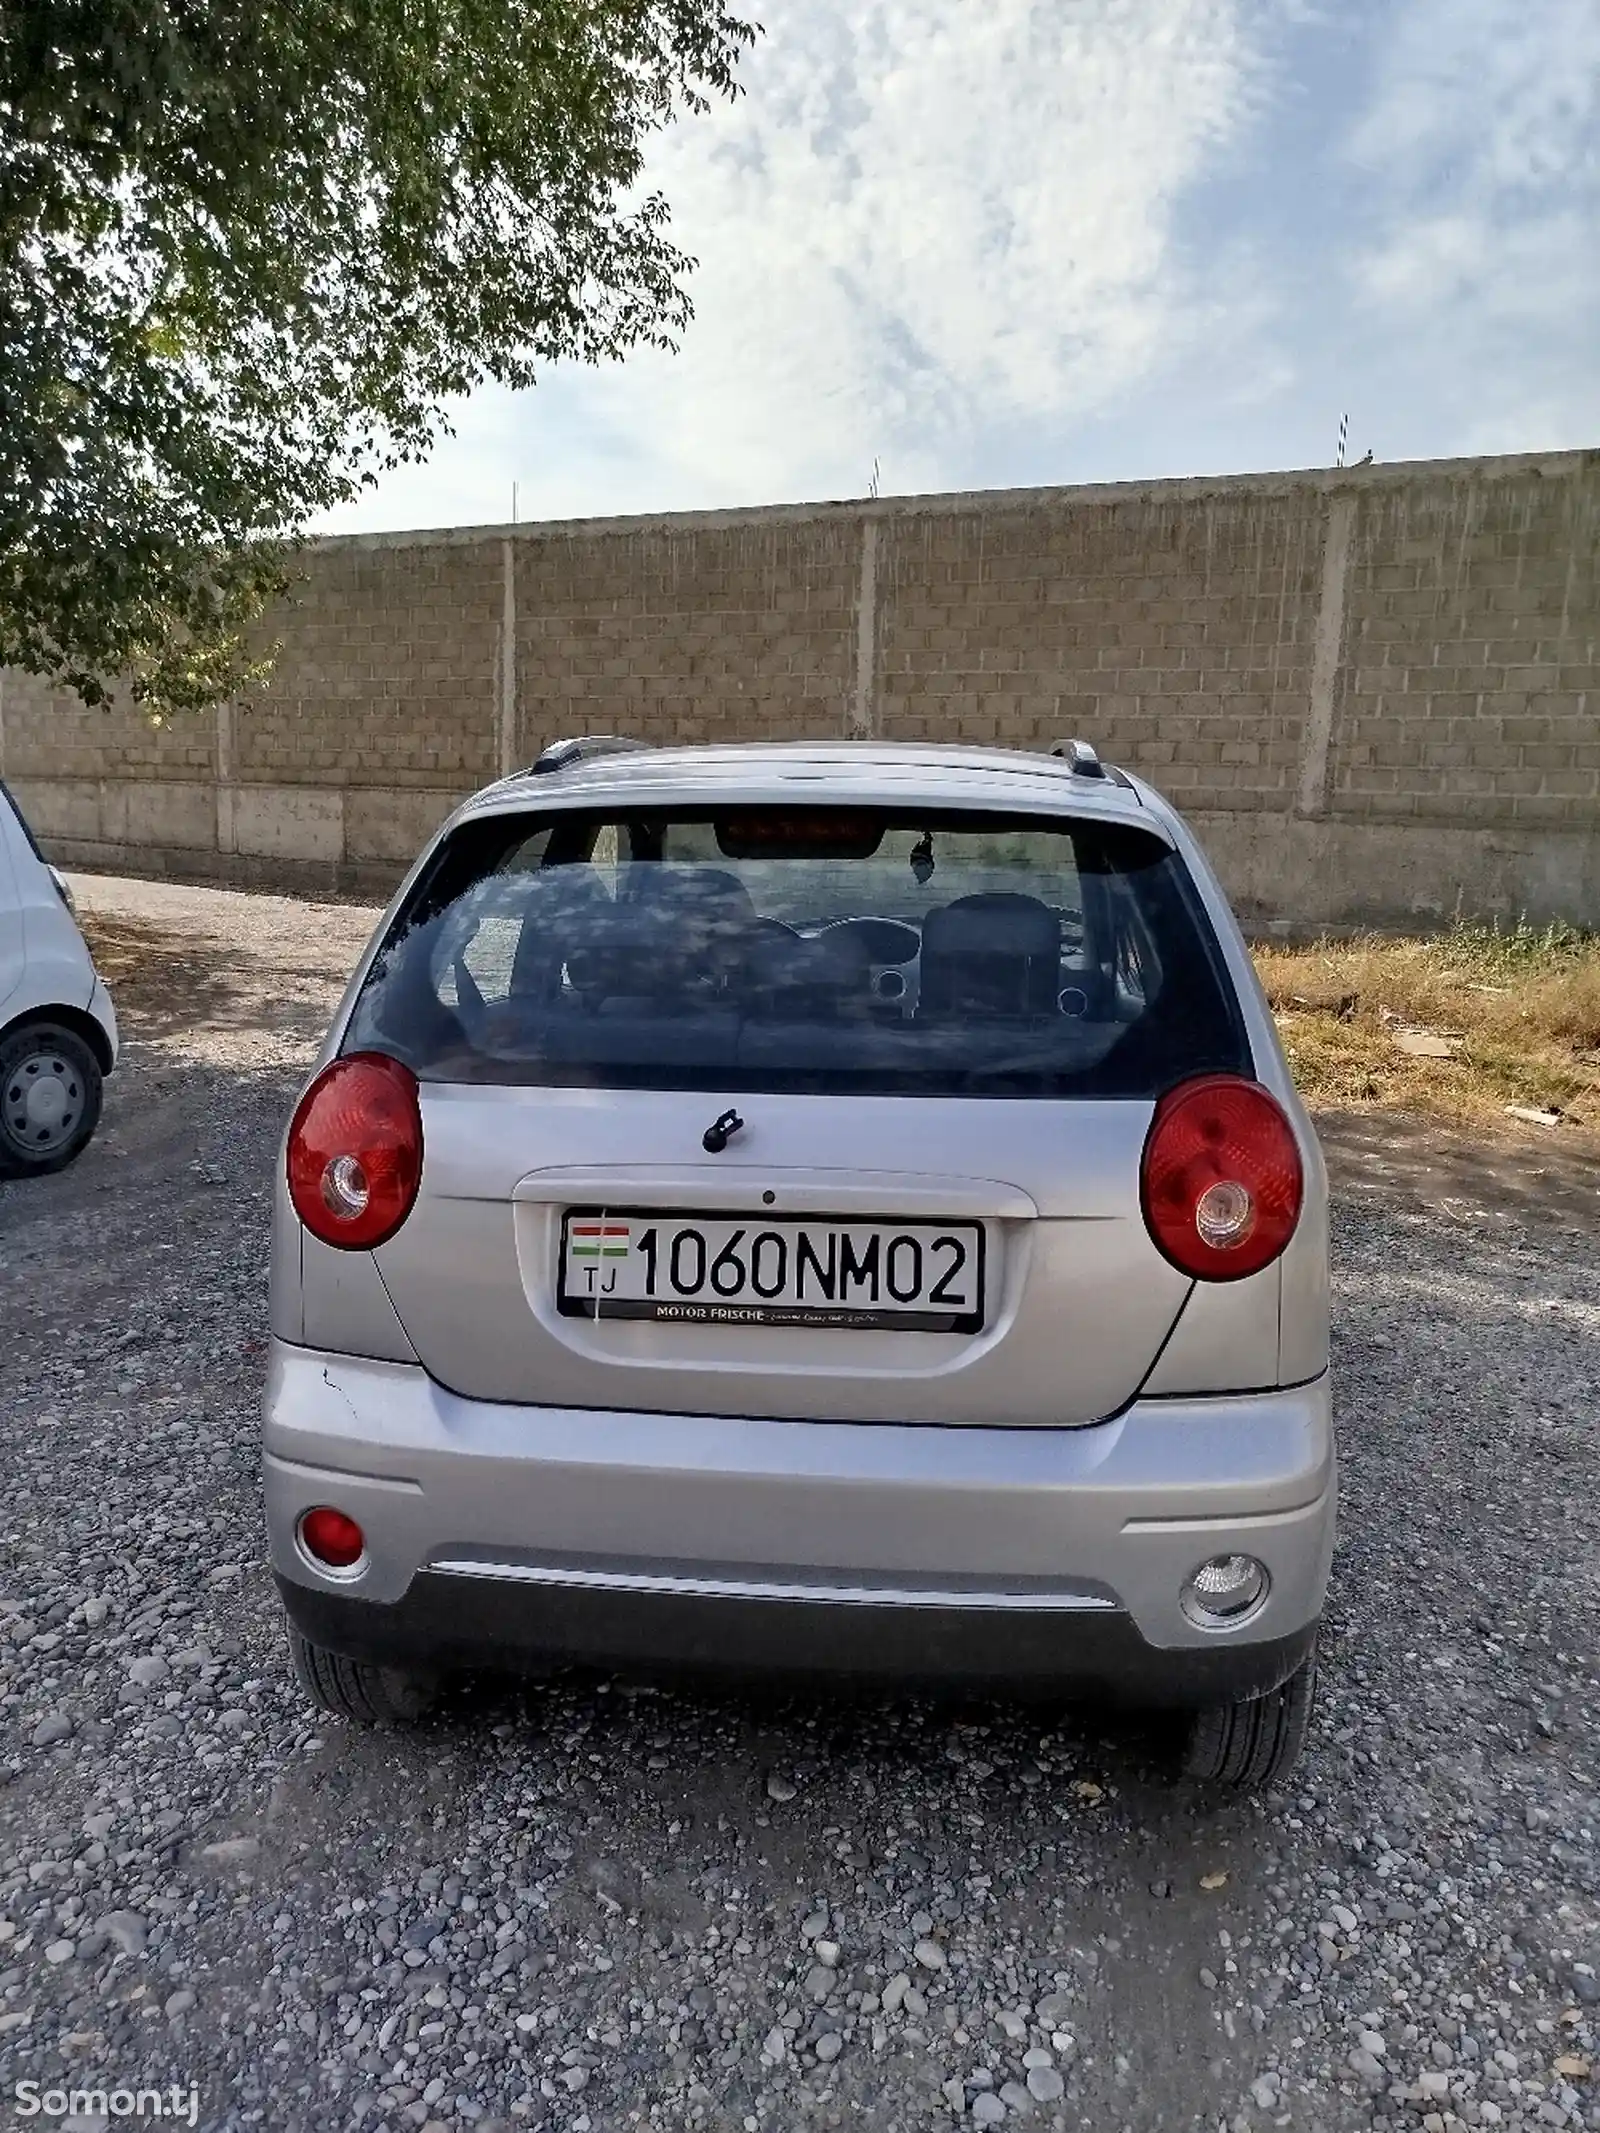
(1481, 148)
(1037, 240)
(929, 215)
(1499, 96)
(925, 217)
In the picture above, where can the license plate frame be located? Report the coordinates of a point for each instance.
(608, 1235)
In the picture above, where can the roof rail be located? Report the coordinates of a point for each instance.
(1080, 759)
(580, 748)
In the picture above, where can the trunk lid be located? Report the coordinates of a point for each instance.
(1076, 1304)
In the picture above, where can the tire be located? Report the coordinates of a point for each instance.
(1247, 1747)
(365, 1695)
(50, 1091)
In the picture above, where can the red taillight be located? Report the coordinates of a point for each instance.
(332, 1538)
(1221, 1182)
(355, 1151)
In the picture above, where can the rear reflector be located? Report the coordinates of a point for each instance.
(329, 1536)
(355, 1151)
(1221, 1183)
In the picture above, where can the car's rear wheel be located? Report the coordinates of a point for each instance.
(352, 1689)
(49, 1099)
(1246, 1747)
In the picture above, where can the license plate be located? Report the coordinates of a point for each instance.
(739, 1270)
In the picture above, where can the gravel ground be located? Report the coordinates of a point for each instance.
(602, 1906)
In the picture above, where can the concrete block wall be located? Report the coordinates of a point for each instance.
(1173, 628)
(713, 630)
(1377, 690)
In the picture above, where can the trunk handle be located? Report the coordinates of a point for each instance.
(737, 1188)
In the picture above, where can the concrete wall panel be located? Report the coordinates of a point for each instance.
(135, 812)
(288, 822)
(59, 807)
(392, 826)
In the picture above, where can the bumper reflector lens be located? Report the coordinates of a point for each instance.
(329, 1537)
(1223, 1589)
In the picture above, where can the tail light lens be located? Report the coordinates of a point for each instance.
(1222, 1182)
(355, 1151)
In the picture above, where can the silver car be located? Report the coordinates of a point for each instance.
(808, 1206)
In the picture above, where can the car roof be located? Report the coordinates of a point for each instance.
(869, 772)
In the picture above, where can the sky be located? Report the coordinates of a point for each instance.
(999, 243)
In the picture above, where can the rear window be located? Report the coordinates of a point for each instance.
(819, 950)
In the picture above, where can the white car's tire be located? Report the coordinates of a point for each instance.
(50, 1090)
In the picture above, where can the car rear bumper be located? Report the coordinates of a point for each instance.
(501, 1623)
(520, 1535)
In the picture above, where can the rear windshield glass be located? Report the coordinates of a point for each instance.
(883, 951)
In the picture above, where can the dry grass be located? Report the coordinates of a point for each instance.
(1521, 1008)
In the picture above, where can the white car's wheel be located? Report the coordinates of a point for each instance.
(49, 1098)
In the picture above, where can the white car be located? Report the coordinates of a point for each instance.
(58, 1029)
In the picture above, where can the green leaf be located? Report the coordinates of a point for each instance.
(248, 251)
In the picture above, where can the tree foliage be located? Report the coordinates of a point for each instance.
(248, 248)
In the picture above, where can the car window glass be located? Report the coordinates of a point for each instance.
(914, 950)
